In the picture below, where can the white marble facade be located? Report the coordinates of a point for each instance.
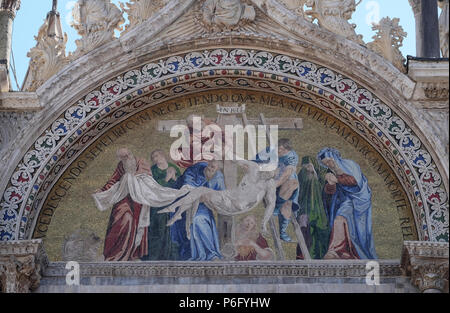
(417, 92)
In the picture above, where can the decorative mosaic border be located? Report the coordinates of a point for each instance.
(21, 200)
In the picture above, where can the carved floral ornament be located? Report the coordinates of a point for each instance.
(20, 265)
(166, 78)
(427, 265)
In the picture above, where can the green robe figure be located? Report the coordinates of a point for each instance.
(160, 244)
(312, 215)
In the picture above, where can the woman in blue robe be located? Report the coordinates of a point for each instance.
(350, 208)
(204, 242)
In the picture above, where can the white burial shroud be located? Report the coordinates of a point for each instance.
(143, 189)
(256, 186)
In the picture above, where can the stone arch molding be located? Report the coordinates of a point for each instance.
(77, 101)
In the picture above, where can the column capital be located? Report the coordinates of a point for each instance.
(21, 263)
(416, 6)
(427, 265)
(11, 6)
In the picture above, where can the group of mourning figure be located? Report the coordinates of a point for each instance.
(329, 197)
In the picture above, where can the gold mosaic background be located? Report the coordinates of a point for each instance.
(78, 211)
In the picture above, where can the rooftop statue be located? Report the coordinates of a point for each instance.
(95, 21)
(226, 14)
(334, 15)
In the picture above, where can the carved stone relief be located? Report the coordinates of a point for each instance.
(11, 123)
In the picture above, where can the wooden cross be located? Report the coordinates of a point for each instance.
(228, 115)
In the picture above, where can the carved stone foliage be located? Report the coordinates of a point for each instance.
(334, 15)
(48, 56)
(223, 15)
(20, 265)
(140, 10)
(95, 21)
(388, 40)
(427, 264)
(444, 26)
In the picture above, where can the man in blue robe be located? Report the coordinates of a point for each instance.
(204, 242)
(287, 183)
(349, 208)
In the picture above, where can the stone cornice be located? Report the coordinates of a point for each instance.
(428, 70)
(313, 269)
(19, 101)
(19, 248)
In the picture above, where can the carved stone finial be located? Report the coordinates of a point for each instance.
(20, 265)
(141, 10)
(334, 15)
(388, 40)
(48, 56)
(223, 15)
(95, 21)
(427, 265)
(444, 26)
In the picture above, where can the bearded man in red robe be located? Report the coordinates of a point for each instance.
(121, 242)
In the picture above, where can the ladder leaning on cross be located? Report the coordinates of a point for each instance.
(227, 115)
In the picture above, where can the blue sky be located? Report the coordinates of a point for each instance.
(33, 12)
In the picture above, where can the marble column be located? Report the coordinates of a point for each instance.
(427, 28)
(8, 9)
